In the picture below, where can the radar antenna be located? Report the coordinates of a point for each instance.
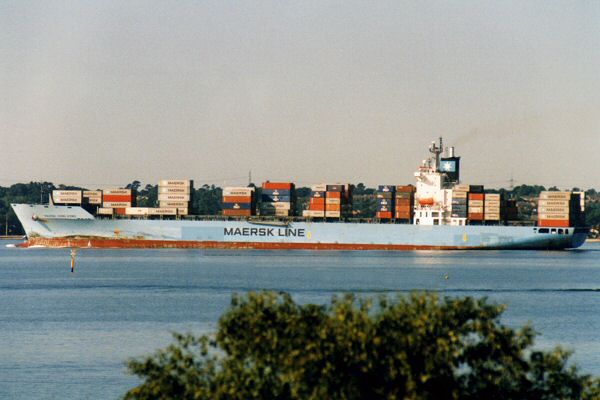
(436, 150)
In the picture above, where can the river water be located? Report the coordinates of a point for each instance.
(68, 335)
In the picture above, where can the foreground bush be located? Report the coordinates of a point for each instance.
(414, 347)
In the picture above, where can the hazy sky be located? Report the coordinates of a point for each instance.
(104, 92)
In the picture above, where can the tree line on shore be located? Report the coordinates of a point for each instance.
(207, 200)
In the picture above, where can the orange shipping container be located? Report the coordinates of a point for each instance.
(403, 208)
(120, 211)
(278, 185)
(237, 213)
(405, 189)
(317, 201)
(332, 207)
(334, 195)
(317, 207)
(237, 199)
(117, 198)
(476, 196)
(561, 223)
(384, 215)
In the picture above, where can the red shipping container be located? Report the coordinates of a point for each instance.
(278, 185)
(333, 195)
(237, 213)
(384, 215)
(117, 198)
(476, 216)
(317, 207)
(551, 223)
(237, 199)
(476, 196)
(317, 201)
(405, 189)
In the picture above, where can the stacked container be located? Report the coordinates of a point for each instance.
(476, 203)
(66, 197)
(239, 201)
(385, 202)
(177, 194)
(335, 199)
(316, 205)
(559, 209)
(404, 203)
(459, 201)
(277, 199)
(493, 207)
(118, 199)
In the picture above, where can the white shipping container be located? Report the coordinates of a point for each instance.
(562, 216)
(553, 203)
(105, 211)
(282, 205)
(491, 209)
(553, 210)
(117, 204)
(495, 203)
(175, 182)
(476, 203)
(66, 193)
(174, 204)
(174, 189)
(491, 217)
(492, 196)
(555, 195)
(182, 211)
(162, 211)
(333, 201)
(66, 199)
(282, 213)
(313, 214)
(136, 211)
(332, 214)
(119, 192)
(94, 200)
(92, 193)
(461, 187)
(322, 187)
(173, 197)
(238, 191)
(475, 210)
(459, 195)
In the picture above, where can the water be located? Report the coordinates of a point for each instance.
(66, 335)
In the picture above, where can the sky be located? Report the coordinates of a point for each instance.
(99, 93)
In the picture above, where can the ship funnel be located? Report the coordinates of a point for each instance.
(450, 151)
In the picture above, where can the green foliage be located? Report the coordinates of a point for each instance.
(414, 347)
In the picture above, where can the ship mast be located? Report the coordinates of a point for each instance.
(436, 150)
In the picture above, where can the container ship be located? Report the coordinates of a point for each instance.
(438, 212)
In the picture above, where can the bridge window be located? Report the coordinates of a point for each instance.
(544, 230)
(553, 231)
(566, 231)
(560, 231)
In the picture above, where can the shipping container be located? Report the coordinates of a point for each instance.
(476, 189)
(332, 214)
(492, 196)
(237, 199)
(277, 192)
(162, 211)
(475, 203)
(335, 188)
(405, 195)
(406, 189)
(384, 195)
(386, 188)
(317, 207)
(384, 215)
(316, 201)
(333, 207)
(120, 210)
(560, 223)
(66, 196)
(475, 216)
(475, 210)
(459, 195)
(176, 182)
(313, 213)
(384, 209)
(555, 195)
(136, 211)
(317, 195)
(117, 204)
(278, 185)
(463, 187)
(333, 201)
(173, 197)
(476, 196)
(555, 216)
(550, 210)
(182, 211)
(282, 213)
(174, 190)
(117, 198)
(237, 206)
(117, 192)
(237, 213)
(105, 211)
(270, 198)
(554, 203)
(319, 188)
(333, 195)
(238, 191)
(174, 204)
